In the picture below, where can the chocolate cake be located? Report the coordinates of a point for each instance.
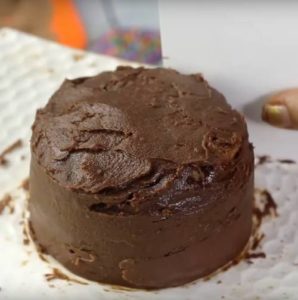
(141, 178)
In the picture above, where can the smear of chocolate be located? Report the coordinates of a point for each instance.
(268, 209)
(26, 239)
(121, 289)
(57, 274)
(287, 161)
(17, 144)
(6, 202)
(263, 159)
(260, 212)
(256, 255)
(41, 251)
(257, 240)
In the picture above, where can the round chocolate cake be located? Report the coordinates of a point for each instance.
(141, 178)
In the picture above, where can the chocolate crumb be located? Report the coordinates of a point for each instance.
(257, 241)
(219, 282)
(26, 239)
(57, 274)
(121, 289)
(270, 205)
(26, 242)
(25, 184)
(263, 159)
(3, 161)
(256, 255)
(17, 144)
(78, 56)
(23, 157)
(287, 161)
(5, 202)
(42, 257)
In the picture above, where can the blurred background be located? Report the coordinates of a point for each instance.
(127, 29)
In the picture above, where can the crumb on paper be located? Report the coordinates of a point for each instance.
(26, 238)
(266, 206)
(14, 146)
(25, 184)
(17, 144)
(6, 201)
(287, 161)
(258, 238)
(256, 255)
(78, 56)
(57, 274)
(26, 241)
(3, 161)
(262, 160)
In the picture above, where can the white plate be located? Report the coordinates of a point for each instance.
(31, 69)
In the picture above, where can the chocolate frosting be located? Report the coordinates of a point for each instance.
(134, 132)
(128, 149)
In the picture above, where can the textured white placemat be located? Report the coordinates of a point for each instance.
(30, 71)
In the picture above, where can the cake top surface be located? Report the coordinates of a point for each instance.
(116, 128)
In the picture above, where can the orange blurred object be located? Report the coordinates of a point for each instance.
(51, 19)
(66, 25)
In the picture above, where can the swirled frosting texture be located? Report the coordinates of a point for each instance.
(134, 134)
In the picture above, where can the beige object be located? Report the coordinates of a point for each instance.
(32, 16)
(281, 109)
